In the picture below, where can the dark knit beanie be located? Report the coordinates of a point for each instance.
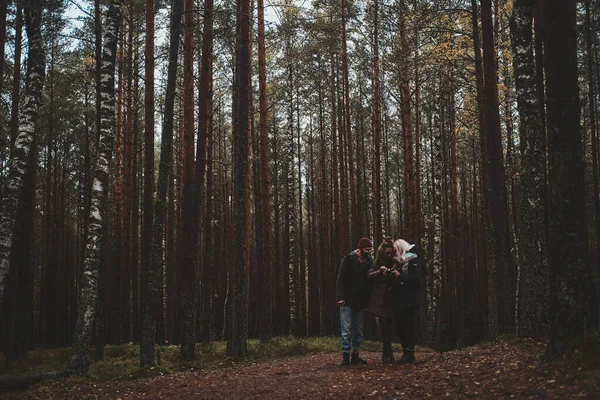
(364, 243)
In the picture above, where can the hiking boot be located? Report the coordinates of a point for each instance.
(356, 359)
(345, 359)
(407, 358)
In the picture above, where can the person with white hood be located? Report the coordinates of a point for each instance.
(408, 298)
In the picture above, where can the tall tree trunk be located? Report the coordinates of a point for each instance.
(237, 343)
(300, 295)
(3, 8)
(4, 138)
(378, 231)
(409, 141)
(435, 297)
(14, 114)
(18, 163)
(533, 278)
(483, 255)
(594, 135)
(153, 263)
(203, 156)
(265, 258)
(114, 268)
(568, 256)
(189, 234)
(356, 232)
(500, 313)
(80, 360)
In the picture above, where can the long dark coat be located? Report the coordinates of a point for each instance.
(383, 295)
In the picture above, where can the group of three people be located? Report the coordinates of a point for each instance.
(388, 288)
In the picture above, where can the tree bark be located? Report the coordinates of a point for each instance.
(265, 260)
(189, 211)
(14, 114)
(80, 359)
(203, 157)
(594, 135)
(237, 342)
(18, 163)
(356, 232)
(568, 256)
(378, 231)
(533, 279)
(500, 313)
(153, 233)
(3, 8)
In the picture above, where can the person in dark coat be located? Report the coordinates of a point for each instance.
(382, 276)
(408, 297)
(352, 294)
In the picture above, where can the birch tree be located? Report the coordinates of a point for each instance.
(533, 276)
(17, 169)
(80, 359)
(435, 285)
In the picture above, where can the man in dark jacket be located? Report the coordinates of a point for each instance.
(352, 294)
(408, 298)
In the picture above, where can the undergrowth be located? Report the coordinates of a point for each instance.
(121, 362)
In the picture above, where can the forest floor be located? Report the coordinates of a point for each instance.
(507, 369)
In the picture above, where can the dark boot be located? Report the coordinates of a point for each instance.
(345, 358)
(407, 358)
(356, 359)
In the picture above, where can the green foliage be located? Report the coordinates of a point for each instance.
(122, 362)
(38, 361)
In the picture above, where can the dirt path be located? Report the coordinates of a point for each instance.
(499, 371)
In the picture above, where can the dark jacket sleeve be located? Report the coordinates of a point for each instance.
(373, 271)
(341, 279)
(412, 276)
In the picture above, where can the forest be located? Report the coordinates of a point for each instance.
(182, 172)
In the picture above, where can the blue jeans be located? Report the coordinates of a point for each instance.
(352, 323)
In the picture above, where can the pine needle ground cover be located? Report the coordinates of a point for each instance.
(309, 368)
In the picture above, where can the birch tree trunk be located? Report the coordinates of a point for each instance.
(80, 359)
(433, 309)
(594, 135)
(3, 8)
(18, 163)
(533, 278)
(14, 113)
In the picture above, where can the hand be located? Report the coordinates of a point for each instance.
(341, 302)
(382, 269)
(396, 273)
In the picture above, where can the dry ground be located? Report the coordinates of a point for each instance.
(505, 370)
